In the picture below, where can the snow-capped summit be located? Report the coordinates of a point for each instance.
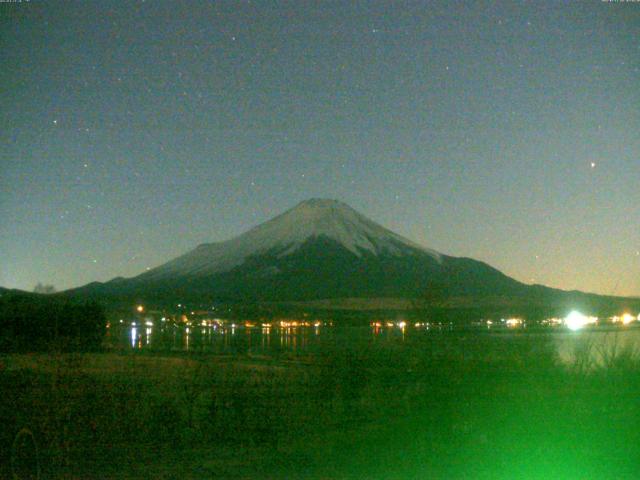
(284, 234)
(330, 218)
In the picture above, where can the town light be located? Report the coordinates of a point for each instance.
(513, 322)
(140, 308)
(627, 318)
(576, 320)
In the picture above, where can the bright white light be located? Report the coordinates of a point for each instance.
(513, 322)
(576, 320)
(627, 318)
(402, 324)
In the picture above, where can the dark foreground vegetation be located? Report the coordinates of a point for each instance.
(32, 322)
(450, 407)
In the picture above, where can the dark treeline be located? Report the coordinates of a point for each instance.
(38, 323)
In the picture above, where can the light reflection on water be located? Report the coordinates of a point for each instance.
(598, 347)
(134, 336)
(229, 339)
(597, 344)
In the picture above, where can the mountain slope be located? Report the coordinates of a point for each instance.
(286, 233)
(320, 249)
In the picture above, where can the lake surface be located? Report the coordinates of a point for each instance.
(593, 346)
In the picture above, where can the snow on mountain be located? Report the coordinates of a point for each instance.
(287, 232)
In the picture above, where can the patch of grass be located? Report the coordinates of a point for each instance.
(446, 406)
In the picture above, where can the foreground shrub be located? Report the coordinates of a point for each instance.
(37, 323)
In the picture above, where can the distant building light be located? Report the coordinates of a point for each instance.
(625, 318)
(576, 320)
(552, 321)
(513, 322)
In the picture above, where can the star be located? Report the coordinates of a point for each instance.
(593, 164)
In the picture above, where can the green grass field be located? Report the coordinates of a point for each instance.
(455, 407)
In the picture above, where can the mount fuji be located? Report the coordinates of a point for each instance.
(328, 221)
(321, 250)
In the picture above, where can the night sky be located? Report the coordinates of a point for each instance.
(506, 132)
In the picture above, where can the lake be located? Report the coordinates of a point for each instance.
(594, 345)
